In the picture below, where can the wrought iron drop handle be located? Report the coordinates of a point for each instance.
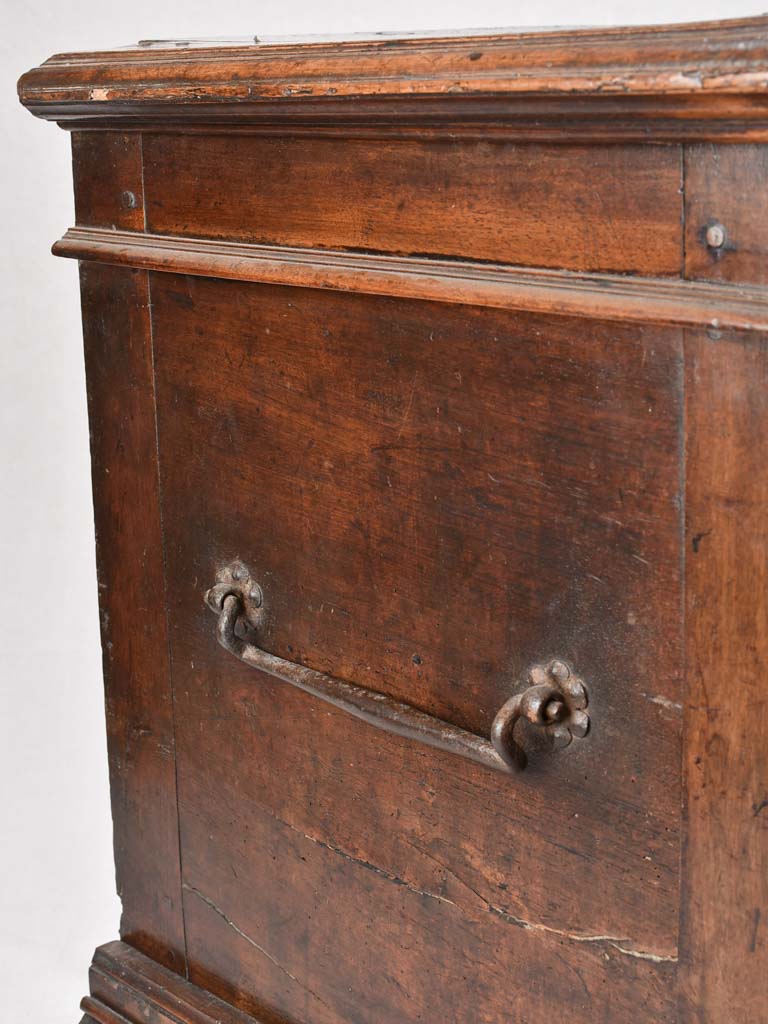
(555, 699)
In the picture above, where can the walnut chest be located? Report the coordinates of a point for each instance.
(428, 389)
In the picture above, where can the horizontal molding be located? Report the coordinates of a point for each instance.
(128, 987)
(599, 296)
(100, 1013)
(574, 130)
(598, 117)
(678, 78)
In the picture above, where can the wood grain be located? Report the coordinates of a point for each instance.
(317, 935)
(108, 180)
(614, 208)
(725, 881)
(701, 82)
(118, 359)
(433, 563)
(128, 986)
(600, 296)
(687, 61)
(727, 185)
(402, 321)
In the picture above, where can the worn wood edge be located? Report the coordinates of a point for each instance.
(599, 296)
(142, 764)
(583, 127)
(128, 987)
(573, 118)
(724, 856)
(598, 117)
(711, 32)
(100, 1013)
(694, 59)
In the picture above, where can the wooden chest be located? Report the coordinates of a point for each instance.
(429, 377)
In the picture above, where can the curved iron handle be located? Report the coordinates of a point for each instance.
(555, 701)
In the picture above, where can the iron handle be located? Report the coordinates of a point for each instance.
(555, 700)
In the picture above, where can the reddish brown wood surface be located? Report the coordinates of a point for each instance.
(682, 80)
(434, 495)
(125, 985)
(727, 186)
(625, 298)
(725, 881)
(582, 208)
(420, 501)
(118, 358)
(108, 180)
(277, 920)
(415, 495)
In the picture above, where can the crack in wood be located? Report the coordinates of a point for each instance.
(252, 942)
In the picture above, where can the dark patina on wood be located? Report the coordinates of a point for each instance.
(459, 343)
(555, 700)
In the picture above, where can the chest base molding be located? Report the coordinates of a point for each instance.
(130, 988)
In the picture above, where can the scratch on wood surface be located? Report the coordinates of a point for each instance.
(664, 702)
(755, 926)
(252, 942)
(356, 860)
(378, 871)
(611, 940)
(408, 405)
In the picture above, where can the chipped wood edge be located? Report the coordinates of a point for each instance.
(128, 987)
(598, 296)
(719, 56)
(707, 80)
(724, 897)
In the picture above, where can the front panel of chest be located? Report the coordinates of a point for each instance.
(432, 499)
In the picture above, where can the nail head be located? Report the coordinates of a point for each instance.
(715, 236)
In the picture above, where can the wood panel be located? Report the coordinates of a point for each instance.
(118, 358)
(725, 930)
(312, 925)
(429, 480)
(433, 498)
(727, 186)
(577, 207)
(108, 180)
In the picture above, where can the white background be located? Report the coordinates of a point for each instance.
(57, 898)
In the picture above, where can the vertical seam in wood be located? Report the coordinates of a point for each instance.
(682, 950)
(684, 254)
(144, 216)
(683, 846)
(163, 548)
(682, 455)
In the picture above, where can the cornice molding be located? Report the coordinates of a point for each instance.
(688, 75)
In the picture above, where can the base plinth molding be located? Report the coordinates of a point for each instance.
(128, 987)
